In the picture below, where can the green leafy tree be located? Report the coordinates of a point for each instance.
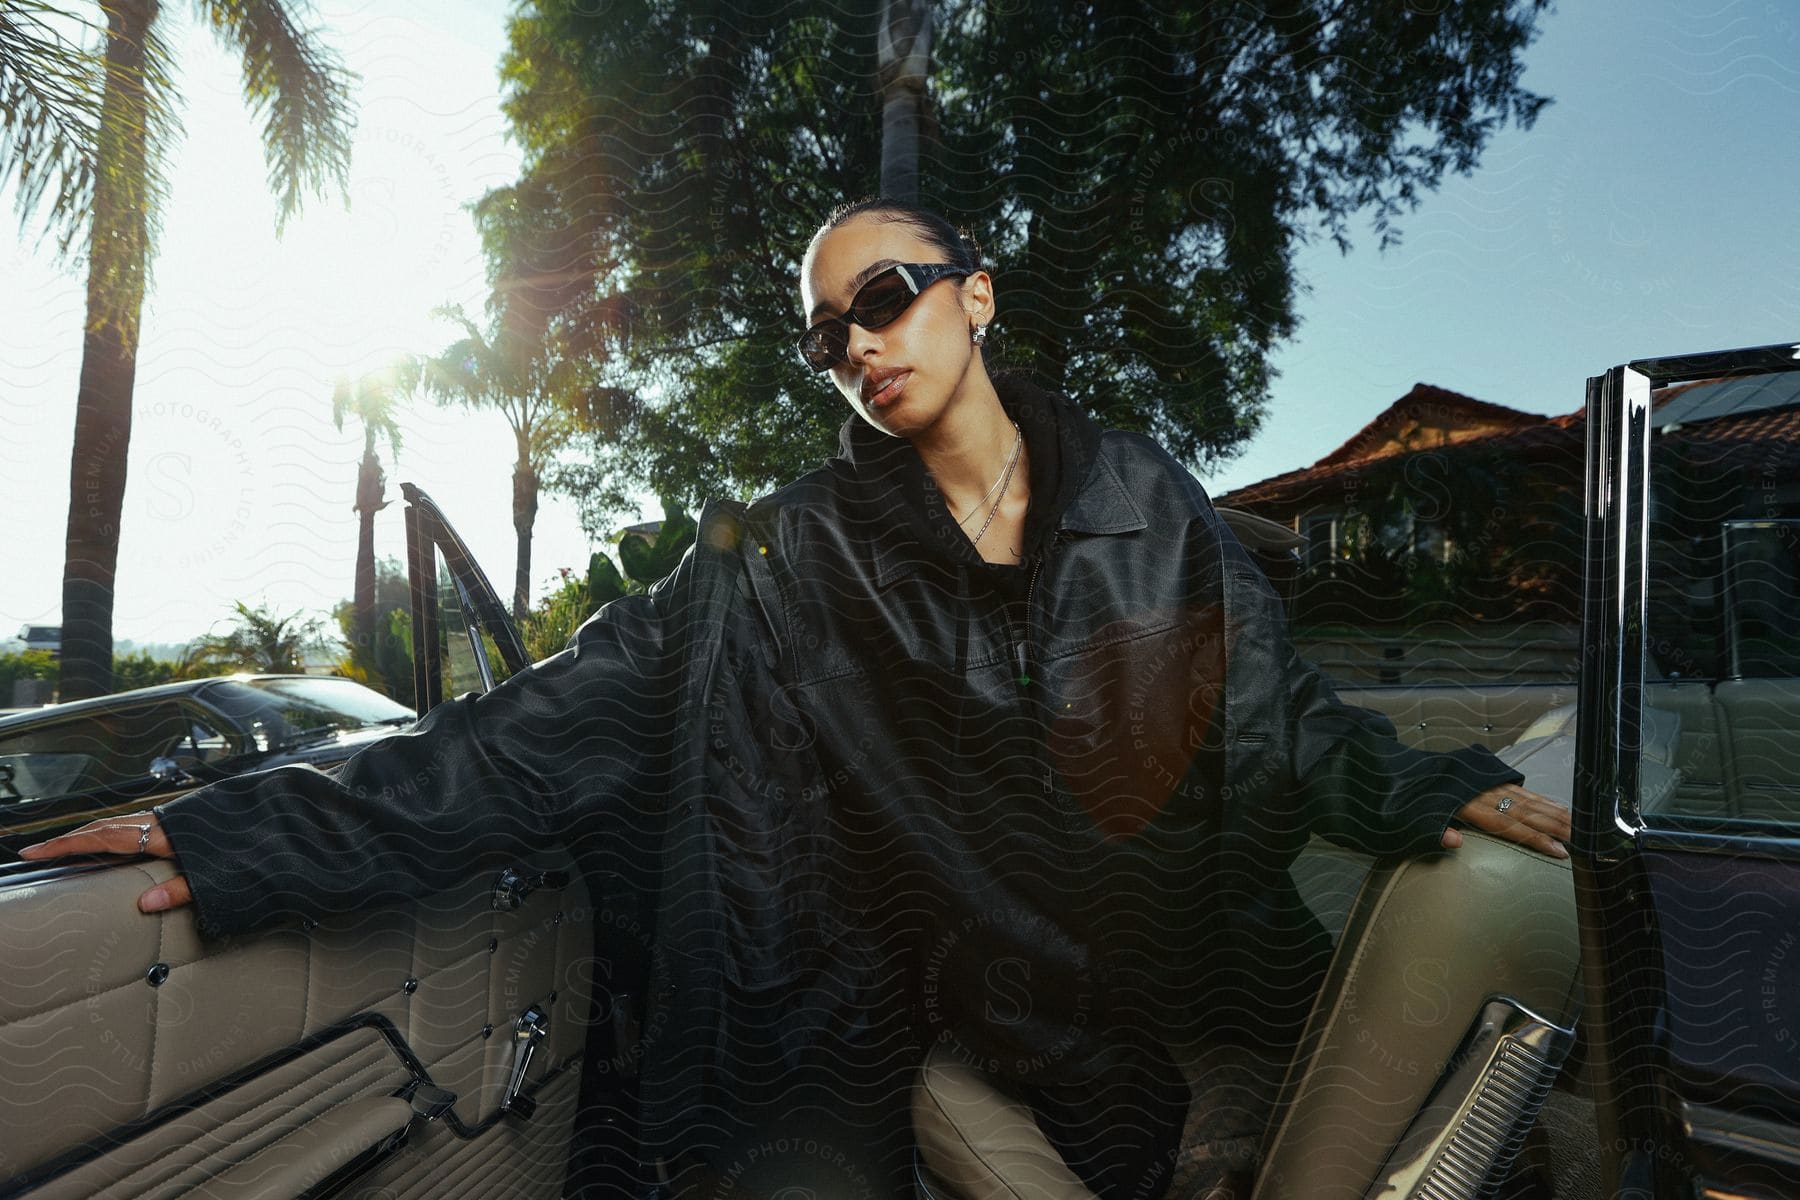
(373, 400)
(547, 628)
(260, 640)
(384, 661)
(50, 100)
(84, 136)
(142, 669)
(31, 667)
(648, 559)
(1141, 178)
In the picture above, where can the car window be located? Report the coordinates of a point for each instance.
(456, 616)
(33, 775)
(1721, 638)
(209, 745)
(89, 750)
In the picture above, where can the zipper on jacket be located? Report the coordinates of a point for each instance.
(1022, 640)
(1023, 656)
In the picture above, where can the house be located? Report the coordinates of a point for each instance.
(1457, 521)
(1400, 471)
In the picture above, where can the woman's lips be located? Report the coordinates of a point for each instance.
(889, 391)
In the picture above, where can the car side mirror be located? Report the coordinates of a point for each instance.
(164, 769)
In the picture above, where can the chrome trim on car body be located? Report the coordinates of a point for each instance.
(1769, 1140)
(1472, 1127)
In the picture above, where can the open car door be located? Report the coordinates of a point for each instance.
(431, 1049)
(1688, 871)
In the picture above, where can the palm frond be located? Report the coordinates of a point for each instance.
(341, 401)
(56, 131)
(299, 90)
(372, 400)
(50, 89)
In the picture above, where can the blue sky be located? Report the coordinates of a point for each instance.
(1648, 212)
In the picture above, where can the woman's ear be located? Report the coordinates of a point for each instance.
(978, 297)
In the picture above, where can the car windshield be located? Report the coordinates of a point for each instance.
(285, 712)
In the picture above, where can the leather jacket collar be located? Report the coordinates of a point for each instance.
(1074, 489)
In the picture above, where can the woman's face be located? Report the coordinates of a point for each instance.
(925, 356)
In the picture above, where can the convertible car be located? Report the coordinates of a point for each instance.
(1625, 1023)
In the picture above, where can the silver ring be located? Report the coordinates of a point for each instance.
(143, 838)
(1506, 802)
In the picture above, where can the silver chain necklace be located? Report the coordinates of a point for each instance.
(1018, 441)
(1001, 484)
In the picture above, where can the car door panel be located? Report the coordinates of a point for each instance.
(1691, 902)
(1730, 927)
(143, 1061)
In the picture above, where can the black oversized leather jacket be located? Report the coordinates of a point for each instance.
(880, 800)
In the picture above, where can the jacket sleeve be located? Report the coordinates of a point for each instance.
(1360, 786)
(581, 739)
(1349, 777)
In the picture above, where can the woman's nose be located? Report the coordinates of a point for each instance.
(860, 342)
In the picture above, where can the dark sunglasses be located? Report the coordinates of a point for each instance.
(878, 302)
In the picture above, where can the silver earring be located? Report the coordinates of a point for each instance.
(978, 335)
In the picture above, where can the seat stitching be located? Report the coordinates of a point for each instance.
(219, 1123)
(352, 1078)
(312, 950)
(69, 1003)
(355, 1095)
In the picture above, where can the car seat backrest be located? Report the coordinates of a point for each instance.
(1699, 755)
(1445, 716)
(1756, 719)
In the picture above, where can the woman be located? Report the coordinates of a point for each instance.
(984, 737)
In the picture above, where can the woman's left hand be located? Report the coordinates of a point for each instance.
(1522, 816)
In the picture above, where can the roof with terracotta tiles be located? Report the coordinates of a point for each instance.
(1463, 419)
(1765, 440)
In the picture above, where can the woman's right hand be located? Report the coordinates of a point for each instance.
(122, 835)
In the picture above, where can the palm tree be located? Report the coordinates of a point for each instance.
(507, 372)
(258, 640)
(373, 400)
(90, 141)
(903, 63)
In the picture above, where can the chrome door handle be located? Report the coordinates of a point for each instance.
(530, 1029)
(513, 885)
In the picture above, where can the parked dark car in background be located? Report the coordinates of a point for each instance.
(66, 764)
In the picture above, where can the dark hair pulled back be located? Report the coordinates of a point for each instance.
(958, 245)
